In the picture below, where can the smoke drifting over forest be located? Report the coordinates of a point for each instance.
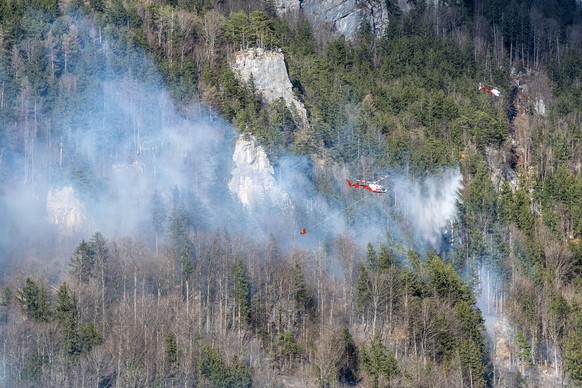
(115, 151)
(430, 204)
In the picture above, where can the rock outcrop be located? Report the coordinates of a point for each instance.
(65, 209)
(344, 16)
(253, 177)
(286, 6)
(270, 77)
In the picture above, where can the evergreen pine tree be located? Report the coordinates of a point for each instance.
(573, 355)
(35, 301)
(349, 363)
(6, 297)
(171, 348)
(363, 290)
(372, 258)
(82, 262)
(379, 363)
(385, 258)
(66, 313)
(89, 337)
(242, 291)
(299, 287)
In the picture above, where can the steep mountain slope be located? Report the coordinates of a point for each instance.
(289, 276)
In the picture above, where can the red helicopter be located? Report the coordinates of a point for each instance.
(491, 90)
(373, 186)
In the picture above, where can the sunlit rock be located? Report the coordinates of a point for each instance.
(65, 209)
(345, 17)
(269, 75)
(253, 180)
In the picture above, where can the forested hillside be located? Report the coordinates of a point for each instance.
(120, 116)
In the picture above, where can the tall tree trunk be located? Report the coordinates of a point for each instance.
(103, 316)
(134, 294)
(187, 298)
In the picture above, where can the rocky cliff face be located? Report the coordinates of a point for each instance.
(269, 76)
(65, 210)
(528, 100)
(253, 177)
(344, 16)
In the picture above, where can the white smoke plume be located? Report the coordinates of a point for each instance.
(429, 204)
(125, 142)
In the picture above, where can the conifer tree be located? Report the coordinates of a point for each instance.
(379, 363)
(363, 290)
(77, 338)
(35, 301)
(573, 356)
(414, 260)
(89, 337)
(445, 282)
(6, 297)
(101, 251)
(32, 368)
(472, 362)
(212, 366)
(66, 313)
(385, 258)
(242, 291)
(82, 262)
(372, 258)
(171, 348)
(524, 353)
(349, 362)
(65, 304)
(299, 288)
